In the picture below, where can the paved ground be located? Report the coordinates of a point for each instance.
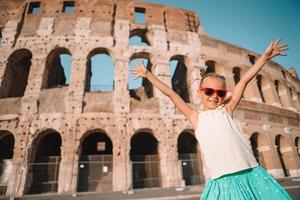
(292, 185)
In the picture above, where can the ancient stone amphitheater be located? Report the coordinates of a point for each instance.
(65, 137)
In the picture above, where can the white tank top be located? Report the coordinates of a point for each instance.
(224, 147)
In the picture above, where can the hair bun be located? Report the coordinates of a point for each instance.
(202, 72)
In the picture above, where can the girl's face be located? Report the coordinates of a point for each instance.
(213, 101)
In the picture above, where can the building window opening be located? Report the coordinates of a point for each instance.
(252, 59)
(44, 171)
(297, 145)
(236, 74)
(283, 74)
(192, 22)
(278, 143)
(145, 161)
(1, 37)
(190, 159)
(100, 72)
(68, 7)
(210, 67)
(140, 89)
(178, 72)
(34, 7)
(259, 85)
(6, 154)
(95, 163)
(254, 145)
(58, 69)
(16, 74)
(138, 37)
(140, 15)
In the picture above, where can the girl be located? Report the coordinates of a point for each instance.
(232, 169)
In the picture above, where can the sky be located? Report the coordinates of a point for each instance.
(249, 24)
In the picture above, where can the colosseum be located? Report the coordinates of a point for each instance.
(61, 133)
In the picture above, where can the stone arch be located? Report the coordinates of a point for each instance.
(16, 74)
(179, 79)
(138, 37)
(251, 59)
(276, 84)
(144, 156)
(190, 158)
(284, 94)
(259, 82)
(140, 89)
(236, 74)
(297, 145)
(102, 79)
(44, 163)
(58, 68)
(281, 143)
(258, 144)
(7, 142)
(1, 36)
(95, 153)
(210, 66)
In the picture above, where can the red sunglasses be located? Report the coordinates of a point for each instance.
(210, 91)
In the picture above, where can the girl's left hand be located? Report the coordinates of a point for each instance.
(274, 49)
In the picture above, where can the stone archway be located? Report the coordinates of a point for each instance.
(95, 165)
(145, 161)
(7, 142)
(190, 159)
(43, 168)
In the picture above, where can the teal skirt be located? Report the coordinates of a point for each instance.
(249, 184)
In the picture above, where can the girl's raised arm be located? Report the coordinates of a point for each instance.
(274, 49)
(190, 113)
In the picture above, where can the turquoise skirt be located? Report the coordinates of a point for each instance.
(249, 184)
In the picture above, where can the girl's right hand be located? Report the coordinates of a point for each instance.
(140, 70)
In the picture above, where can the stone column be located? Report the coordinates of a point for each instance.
(290, 155)
(285, 96)
(169, 163)
(270, 155)
(162, 72)
(296, 100)
(34, 84)
(75, 93)
(251, 92)
(227, 73)
(121, 98)
(68, 159)
(121, 157)
(269, 91)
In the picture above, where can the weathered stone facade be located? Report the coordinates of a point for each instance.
(31, 110)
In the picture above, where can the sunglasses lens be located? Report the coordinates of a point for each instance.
(221, 93)
(208, 91)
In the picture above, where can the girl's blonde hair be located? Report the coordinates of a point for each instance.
(205, 75)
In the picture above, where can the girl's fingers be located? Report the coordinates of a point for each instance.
(136, 77)
(283, 54)
(284, 48)
(277, 41)
(285, 45)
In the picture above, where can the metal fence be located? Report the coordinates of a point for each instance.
(190, 167)
(95, 173)
(145, 171)
(44, 175)
(5, 169)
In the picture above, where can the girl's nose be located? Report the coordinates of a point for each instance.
(215, 95)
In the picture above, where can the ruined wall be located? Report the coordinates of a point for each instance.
(75, 113)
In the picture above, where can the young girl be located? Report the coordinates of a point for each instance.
(233, 172)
